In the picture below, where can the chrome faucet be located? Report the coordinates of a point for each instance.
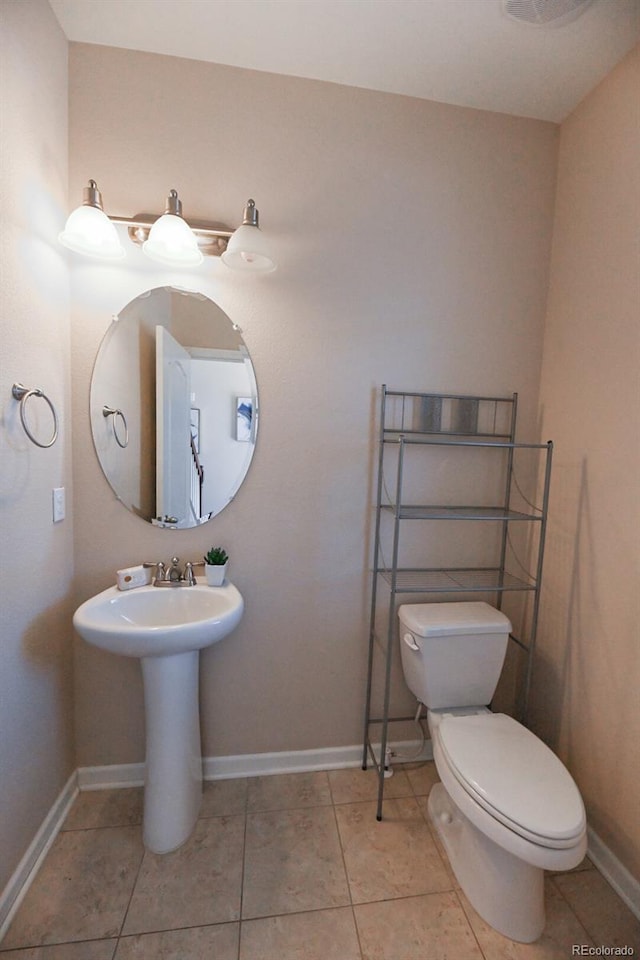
(173, 577)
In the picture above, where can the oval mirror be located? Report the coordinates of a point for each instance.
(174, 407)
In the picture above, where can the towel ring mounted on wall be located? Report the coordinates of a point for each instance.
(21, 393)
(115, 413)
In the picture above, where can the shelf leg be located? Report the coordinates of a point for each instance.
(374, 586)
(536, 596)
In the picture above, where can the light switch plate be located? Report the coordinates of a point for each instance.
(59, 505)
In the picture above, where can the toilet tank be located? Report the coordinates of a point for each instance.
(452, 653)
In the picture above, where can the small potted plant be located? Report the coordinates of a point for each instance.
(216, 561)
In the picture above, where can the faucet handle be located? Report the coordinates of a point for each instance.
(159, 565)
(189, 575)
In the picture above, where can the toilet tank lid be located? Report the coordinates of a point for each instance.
(448, 619)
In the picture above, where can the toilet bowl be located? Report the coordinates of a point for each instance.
(506, 808)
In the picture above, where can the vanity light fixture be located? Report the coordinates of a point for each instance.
(167, 239)
(89, 230)
(171, 240)
(247, 249)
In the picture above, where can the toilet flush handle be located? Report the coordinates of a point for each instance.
(410, 642)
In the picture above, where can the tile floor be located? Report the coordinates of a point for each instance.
(294, 867)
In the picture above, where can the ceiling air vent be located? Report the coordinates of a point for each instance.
(545, 13)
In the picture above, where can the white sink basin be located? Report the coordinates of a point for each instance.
(166, 627)
(159, 621)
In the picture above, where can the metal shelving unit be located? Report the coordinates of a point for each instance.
(415, 425)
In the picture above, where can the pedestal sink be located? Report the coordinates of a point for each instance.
(166, 629)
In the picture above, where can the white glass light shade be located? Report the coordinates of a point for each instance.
(248, 250)
(90, 232)
(172, 243)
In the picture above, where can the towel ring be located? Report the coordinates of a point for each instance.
(114, 412)
(22, 394)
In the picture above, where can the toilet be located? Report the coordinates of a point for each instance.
(506, 809)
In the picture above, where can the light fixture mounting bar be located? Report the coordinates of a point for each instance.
(212, 238)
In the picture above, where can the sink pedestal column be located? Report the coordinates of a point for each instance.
(173, 774)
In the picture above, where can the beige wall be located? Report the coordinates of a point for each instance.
(36, 559)
(588, 673)
(413, 241)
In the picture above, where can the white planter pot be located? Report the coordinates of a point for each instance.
(215, 574)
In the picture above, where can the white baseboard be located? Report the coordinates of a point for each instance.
(289, 761)
(250, 765)
(294, 761)
(22, 878)
(111, 777)
(617, 875)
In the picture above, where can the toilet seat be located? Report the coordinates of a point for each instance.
(514, 776)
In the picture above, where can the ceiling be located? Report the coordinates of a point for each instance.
(465, 52)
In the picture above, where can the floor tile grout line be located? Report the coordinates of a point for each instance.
(346, 872)
(406, 896)
(128, 907)
(470, 925)
(567, 900)
(60, 943)
(302, 806)
(244, 867)
(292, 913)
(106, 826)
(357, 930)
(244, 862)
(245, 814)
